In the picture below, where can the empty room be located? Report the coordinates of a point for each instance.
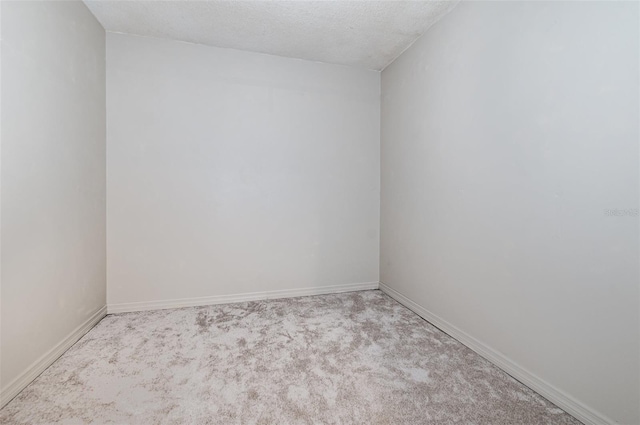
(319, 212)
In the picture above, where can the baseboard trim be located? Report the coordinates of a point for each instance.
(236, 298)
(569, 404)
(36, 368)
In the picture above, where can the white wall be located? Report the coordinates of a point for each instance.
(53, 180)
(232, 172)
(507, 131)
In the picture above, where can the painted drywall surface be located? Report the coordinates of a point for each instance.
(232, 172)
(508, 131)
(53, 177)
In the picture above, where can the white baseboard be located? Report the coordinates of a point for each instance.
(36, 368)
(563, 400)
(236, 298)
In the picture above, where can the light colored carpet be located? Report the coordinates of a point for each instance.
(355, 358)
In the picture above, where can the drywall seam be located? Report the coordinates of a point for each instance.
(569, 404)
(236, 298)
(195, 43)
(368, 33)
(453, 4)
(25, 378)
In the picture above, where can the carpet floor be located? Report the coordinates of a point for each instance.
(353, 358)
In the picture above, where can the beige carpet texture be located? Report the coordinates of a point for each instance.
(352, 358)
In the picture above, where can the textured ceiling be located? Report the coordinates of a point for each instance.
(369, 34)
